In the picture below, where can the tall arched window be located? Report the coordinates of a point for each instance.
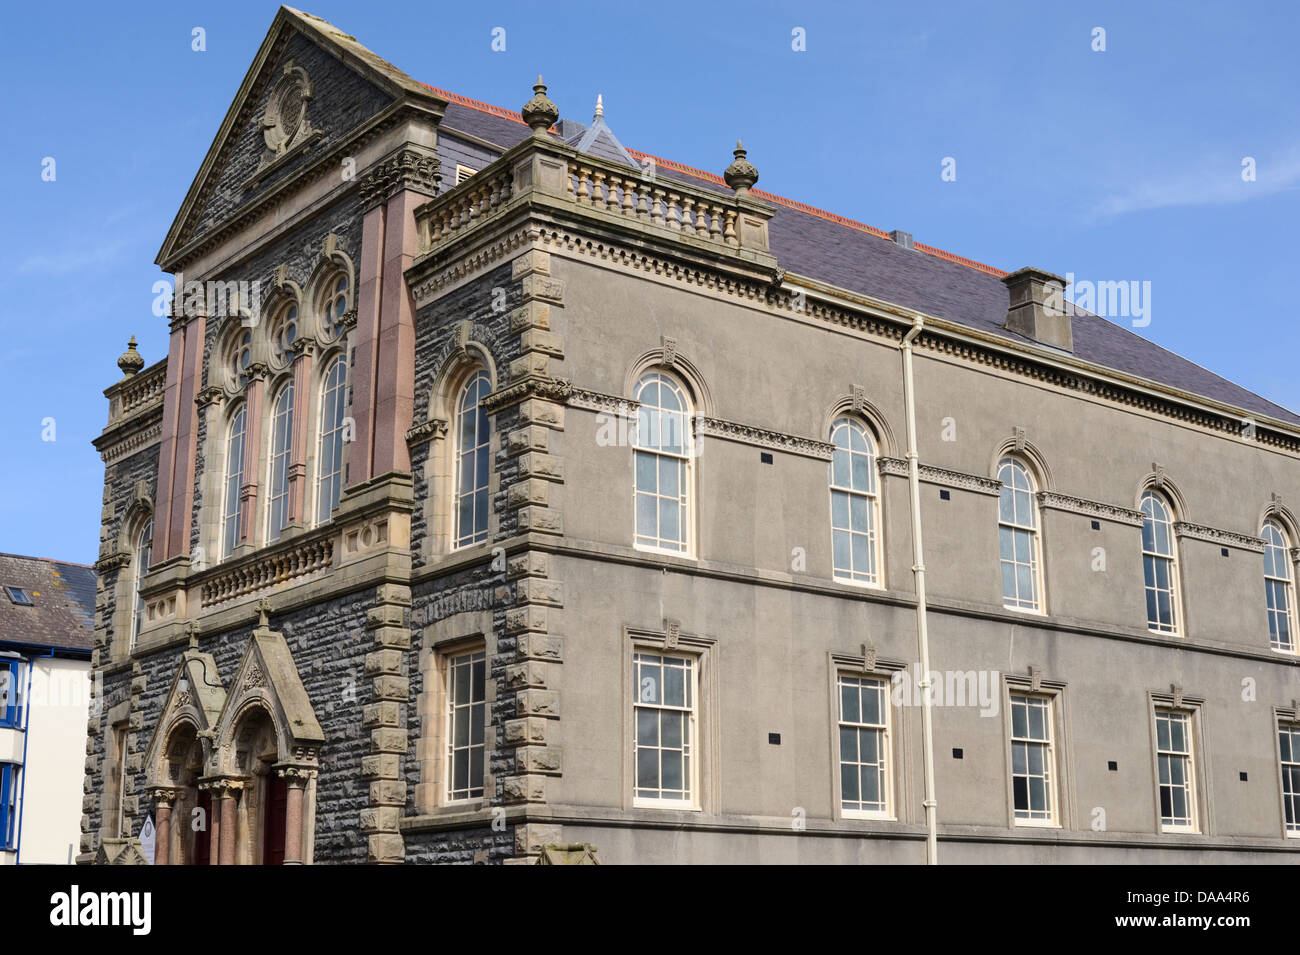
(281, 446)
(473, 460)
(1277, 586)
(1159, 564)
(329, 480)
(334, 307)
(662, 461)
(1018, 545)
(855, 504)
(143, 555)
(234, 477)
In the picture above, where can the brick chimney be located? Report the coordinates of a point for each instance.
(1038, 307)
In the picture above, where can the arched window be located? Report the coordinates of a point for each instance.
(855, 504)
(1159, 564)
(473, 461)
(1018, 547)
(286, 333)
(334, 307)
(234, 478)
(662, 461)
(329, 480)
(242, 358)
(1277, 586)
(143, 554)
(281, 446)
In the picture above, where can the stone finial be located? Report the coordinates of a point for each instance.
(539, 112)
(741, 174)
(130, 362)
(600, 107)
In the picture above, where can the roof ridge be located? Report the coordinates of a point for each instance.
(503, 113)
(48, 560)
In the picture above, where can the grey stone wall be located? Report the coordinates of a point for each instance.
(329, 643)
(342, 100)
(488, 314)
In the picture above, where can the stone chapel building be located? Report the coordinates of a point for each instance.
(506, 491)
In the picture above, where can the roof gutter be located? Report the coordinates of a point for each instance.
(918, 573)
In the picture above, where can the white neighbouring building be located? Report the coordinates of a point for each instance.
(47, 611)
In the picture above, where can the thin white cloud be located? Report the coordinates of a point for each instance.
(1214, 181)
(73, 259)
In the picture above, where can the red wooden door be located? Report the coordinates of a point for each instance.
(277, 802)
(203, 837)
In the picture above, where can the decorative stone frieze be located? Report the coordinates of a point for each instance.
(1050, 500)
(1214, 535)
(759, 437)
(405, 170)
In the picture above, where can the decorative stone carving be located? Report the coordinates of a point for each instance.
(1077, 505)
(539, 112)
(130, 362)
(1214, 535)
(407, 169)
(434, 428)
(741, 174)
(746, 434)
(285, 123)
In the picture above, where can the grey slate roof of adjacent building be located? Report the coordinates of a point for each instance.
(62, 611)
(819, 248)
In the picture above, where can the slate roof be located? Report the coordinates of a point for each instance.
(821, 246)
(62, 614)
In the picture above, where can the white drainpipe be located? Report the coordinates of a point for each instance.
(918, 573)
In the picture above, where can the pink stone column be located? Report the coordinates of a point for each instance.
(366, 344)
(181, 498)
(163, 843)
(303, 407)
(167, 443)
(252, 458)
(395, 382)
(293, 820)
(228, 826)
(214, 830)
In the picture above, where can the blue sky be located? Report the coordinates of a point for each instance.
(1116, 165)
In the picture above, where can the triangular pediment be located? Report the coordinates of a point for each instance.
(267, 677)
(197, 696)
(310, 86)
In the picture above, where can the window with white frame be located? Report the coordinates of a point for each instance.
(664, 764)
(855, 504)
(864, 745)
(1288, 742)
(466, 693)
(473, 461)
(281, 456)
(1033, 760)
(235, 435)
(1277, 587)
(1159, 564)
(1176, 770)
(662, 454)
(329, 466)
(1018, 544)
(143, 555)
